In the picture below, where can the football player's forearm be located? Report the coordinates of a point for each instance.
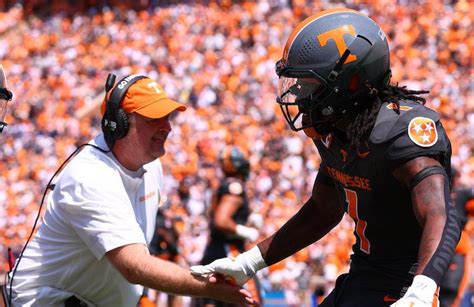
(429, 207)
(441, 229)
(312, 222)
(430, 193)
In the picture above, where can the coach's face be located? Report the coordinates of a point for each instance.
(150, 136)
(144, 142)
(3, 113)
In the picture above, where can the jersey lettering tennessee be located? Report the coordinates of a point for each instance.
(348, 180)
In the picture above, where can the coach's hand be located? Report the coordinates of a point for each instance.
(237, 270)
(421, 293)
(219, 289)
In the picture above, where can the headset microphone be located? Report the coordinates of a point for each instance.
(109, 84)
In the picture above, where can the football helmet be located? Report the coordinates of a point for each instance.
(233, 162)
(331, 62)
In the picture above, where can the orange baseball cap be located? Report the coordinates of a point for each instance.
(147, 98)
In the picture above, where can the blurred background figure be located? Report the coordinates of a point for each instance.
(228, 214)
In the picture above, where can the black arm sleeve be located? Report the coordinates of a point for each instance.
(438, 264)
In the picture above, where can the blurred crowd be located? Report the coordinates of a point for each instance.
(219, 58)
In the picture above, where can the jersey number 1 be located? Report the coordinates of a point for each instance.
(352, 209)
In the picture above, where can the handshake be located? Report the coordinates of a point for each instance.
(236, 270)
(242, 268)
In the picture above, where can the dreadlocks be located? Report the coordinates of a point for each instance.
(359, 129)
(395, 93)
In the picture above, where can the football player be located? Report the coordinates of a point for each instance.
(229, 212)
(385, 161)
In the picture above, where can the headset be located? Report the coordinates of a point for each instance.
(115, 122)
(114, 126)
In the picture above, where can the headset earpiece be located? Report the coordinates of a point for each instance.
(115, 120)
(122, 124)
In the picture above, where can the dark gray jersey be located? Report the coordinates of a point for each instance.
(385, 225)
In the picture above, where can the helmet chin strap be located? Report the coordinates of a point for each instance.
(322, 130)
(313, 134)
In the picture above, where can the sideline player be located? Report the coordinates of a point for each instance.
(229, 212)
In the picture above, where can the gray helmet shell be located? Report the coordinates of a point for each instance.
(346, 51)
(233, 162)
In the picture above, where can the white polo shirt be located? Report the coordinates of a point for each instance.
(96, 206)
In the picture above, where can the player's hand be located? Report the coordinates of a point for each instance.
(421, 293)
(236, 270)
(256, 220)
(412, 301)
(248, 233)
(231, 268)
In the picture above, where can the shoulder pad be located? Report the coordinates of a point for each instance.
(232, 186)
(390, 124)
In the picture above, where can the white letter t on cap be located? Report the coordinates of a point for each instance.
(155, 86)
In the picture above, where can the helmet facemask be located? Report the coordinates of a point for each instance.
(296, 97)
(308, 101)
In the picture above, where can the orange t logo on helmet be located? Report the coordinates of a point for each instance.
(337, 35)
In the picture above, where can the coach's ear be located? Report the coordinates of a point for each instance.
(3, 77)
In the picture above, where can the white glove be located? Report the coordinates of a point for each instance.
(421, 293)
(238, 270)
(247, 233)
(256, 219)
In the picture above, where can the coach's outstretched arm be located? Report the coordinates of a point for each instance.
(430, 193)
(321, 213)
(137, 266)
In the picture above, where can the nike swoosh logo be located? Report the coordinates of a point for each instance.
(363, 154)
(388, 298)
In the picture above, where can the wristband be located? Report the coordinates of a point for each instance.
(252, 261)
